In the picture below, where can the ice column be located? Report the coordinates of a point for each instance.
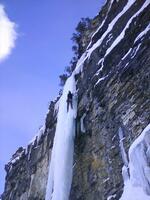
(60, 171)
(137, 187)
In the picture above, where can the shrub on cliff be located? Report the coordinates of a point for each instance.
(77, 48)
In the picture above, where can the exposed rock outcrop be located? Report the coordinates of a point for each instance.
(113, 109)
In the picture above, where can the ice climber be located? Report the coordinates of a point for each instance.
(69, 100)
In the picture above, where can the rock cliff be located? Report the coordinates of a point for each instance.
(113, 91)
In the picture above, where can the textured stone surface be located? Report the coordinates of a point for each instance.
(120, 101)
(27, 177)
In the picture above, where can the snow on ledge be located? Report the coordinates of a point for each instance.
(111, 197)
(111, 2)
(110, 27)
(121, 36)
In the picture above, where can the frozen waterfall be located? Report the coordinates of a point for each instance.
(137, 186)
(60, 172)
(61, 162)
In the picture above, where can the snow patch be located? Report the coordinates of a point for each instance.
(110, 27)
(79, 66)
(143, 33)
(111, 2)
(111, 197)
(123, 152)
(106, 180)
(109, 38)
(113, 138)
(121, 36)
(100, 80)
(38, 135)
(135, 51)
(82, 123)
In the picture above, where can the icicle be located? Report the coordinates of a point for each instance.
(123, 152)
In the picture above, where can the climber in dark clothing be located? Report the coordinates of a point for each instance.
(69, 100)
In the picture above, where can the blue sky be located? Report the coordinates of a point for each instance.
(29, 75)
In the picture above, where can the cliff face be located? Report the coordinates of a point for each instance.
(113, 109)
(27, 170)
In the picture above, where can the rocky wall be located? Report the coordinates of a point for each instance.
(113, 109)
(112, 99)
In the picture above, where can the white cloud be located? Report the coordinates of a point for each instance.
(8, 34)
